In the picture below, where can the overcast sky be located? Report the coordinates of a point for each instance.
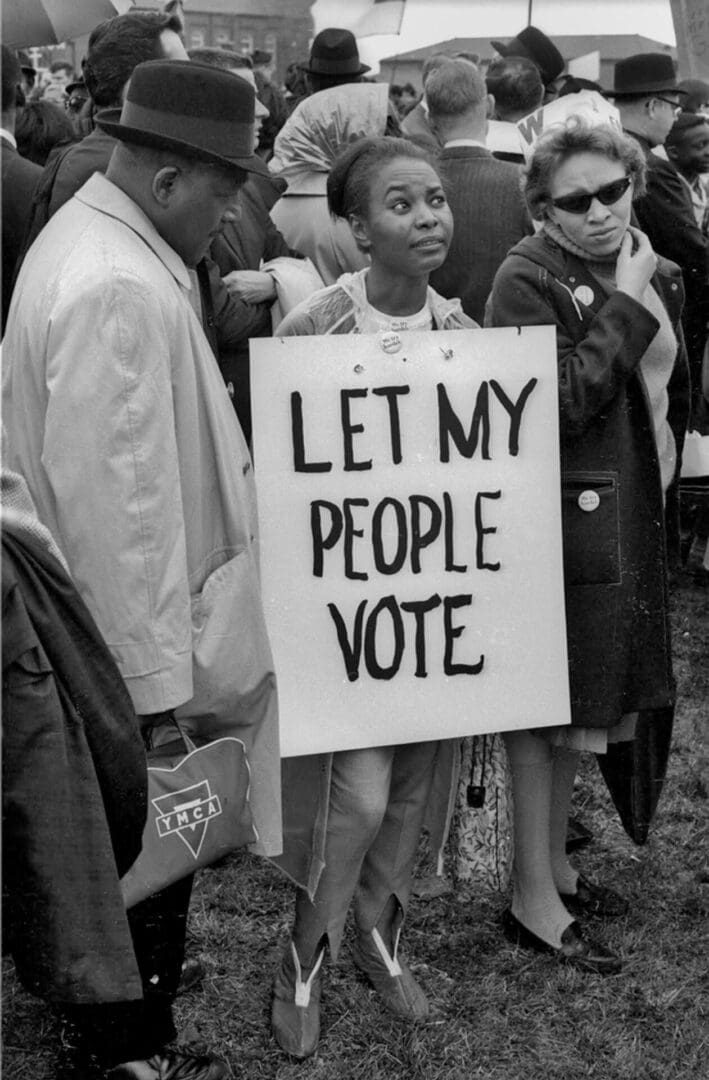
(428, 21)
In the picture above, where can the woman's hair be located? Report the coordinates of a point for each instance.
(349, 181)
(40, 126)
(577, 136)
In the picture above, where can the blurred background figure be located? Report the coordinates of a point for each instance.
(648, 97)
(695, 95)
(272, 98)
(19, 175)
(340, 109)
(29, 73)
(517, 90)
(484, 194)
(534, 45)
(40, 127)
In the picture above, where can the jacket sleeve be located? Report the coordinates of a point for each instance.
(116, 482)
(235, 321)
(591, 370)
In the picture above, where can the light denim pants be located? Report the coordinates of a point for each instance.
(378, 798)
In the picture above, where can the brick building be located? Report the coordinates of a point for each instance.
(283, 28)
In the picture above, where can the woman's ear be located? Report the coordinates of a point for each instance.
(360, 231)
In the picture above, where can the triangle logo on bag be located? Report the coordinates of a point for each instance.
(187, 813)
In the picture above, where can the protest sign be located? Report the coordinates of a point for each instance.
(691, 23)
(410, 529)
(587, 104)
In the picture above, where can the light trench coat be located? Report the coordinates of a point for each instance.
(118, 419)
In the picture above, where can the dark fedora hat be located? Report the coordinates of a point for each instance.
(644, 73)
(538, 48)
(198, 111)
(334, 52)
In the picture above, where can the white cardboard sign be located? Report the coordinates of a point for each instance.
(587, 104)
(410, 534)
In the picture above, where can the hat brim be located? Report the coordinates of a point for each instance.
(109, 121)
(363, 69)
(504, 50)
(663, 88)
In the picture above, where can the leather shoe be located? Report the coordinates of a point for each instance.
(172, 1065)
(390, 976)
(191, 975)
(575, 949)
(592, 899)
(295, 1012)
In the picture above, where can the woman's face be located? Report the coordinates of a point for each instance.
(601, 229)
(408, 225)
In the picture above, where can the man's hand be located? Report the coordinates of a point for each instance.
(252, 286)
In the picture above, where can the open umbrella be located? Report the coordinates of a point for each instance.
(47, 22)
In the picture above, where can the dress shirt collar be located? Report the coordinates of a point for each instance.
(464, 142)
(8, 137)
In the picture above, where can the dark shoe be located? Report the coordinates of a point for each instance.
(172, 1065)
(390, 977)
(575, 949)
(592, 899)
(295, 1012)
(577, 835)
(191, 975)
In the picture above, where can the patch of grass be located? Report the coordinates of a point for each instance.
(499, 1013)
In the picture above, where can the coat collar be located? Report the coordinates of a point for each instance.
(101, 194)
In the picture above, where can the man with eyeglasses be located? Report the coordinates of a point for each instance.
(648, 98)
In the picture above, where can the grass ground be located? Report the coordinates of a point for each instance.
(499, 1013)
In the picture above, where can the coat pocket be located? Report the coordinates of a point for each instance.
(232, 665)
(591, 528)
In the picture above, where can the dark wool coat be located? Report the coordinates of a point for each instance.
(614, 556)
(74, 788)
(489, 217)
(666, 214)
(19, 177)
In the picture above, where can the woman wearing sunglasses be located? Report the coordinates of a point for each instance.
(623, 403)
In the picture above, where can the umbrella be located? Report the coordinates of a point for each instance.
(48, 22)
(634, 771)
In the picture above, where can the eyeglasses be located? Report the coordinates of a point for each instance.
(676, 107)
(581, 202)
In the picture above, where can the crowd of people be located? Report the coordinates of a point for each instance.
(185, 208)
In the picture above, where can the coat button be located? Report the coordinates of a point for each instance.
(674, 286)
(589, 500)
(245, 467)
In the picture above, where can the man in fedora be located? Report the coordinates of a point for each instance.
(647, 95)
(119, 421)
(272, 98)
(334, 60)
(541, 50)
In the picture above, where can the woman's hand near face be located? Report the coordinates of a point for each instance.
(634, 269)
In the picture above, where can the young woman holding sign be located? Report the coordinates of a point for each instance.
(623, 406)
(352, 819)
